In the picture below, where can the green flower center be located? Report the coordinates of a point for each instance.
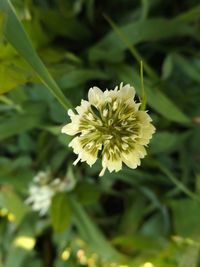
(112, 127)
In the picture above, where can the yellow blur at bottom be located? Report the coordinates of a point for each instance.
(147, 264)
(65, 255)
(24, 242)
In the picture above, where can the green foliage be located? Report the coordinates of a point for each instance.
(60, 212)
(16, 35)
(56, 50)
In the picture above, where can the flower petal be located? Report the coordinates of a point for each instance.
(111, 165)
(140, 150)
(132, 160)
(95, 96)
(127, 91)
(83, 154)
(83, 107)
(70, 129)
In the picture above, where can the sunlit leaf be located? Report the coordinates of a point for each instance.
(15, 34)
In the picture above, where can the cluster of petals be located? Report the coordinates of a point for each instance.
(110, 125)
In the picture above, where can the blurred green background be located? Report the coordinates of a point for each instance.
(148, 217)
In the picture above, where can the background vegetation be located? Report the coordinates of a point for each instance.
(144, 217)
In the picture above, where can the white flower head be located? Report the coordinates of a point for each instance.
(111, 125)
(40, 198)
(42, 190)
(40, 193)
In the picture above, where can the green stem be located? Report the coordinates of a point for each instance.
(143, 95)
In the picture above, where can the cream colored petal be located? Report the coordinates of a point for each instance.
(83, 155)
(143, 141)
(102, 172)
(95, 96)
(111, 165)
(77, 160)
(143, 117)
(88, 157)
(132, 160)
(83, 107)
(75, 144)
(104, 165)
(70, 129)
(140, 150)
(71, 114)
(127, 91)
(148, 131)
(145, 135)
(109, 95)
(115, 165)
(133, 104)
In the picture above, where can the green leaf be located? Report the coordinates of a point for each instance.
(60, 212)
(15, 34)
(13, 204)
(163, 142)
(15, 253)
(181, 186)
(63, 25)
(12, 74)
(90, 232)
(141, 31)
(2, 24)
(132, 216)
(186, 214)
(188, 15)
(32, 118)
(167, 67)
(77, 77)
(93, 193)
(187, 67)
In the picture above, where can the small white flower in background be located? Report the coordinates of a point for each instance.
(43, 188)
(110, 124)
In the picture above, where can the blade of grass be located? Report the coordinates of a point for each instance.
(92, 234)
(132, 49)
(144, 9)
(193, 13)
(187, 67)
(16, 35)
(177, 182)
(141, 31)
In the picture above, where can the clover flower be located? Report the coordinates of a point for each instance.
(110, 124)
(43, 188)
